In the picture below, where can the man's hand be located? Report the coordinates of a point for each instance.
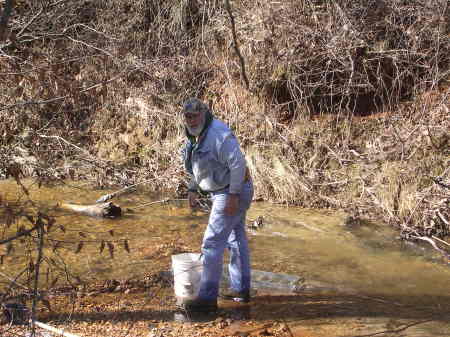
(232, 204)
(193, 199)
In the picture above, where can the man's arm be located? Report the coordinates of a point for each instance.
(192, 185)
(192, 192)
(230, 154)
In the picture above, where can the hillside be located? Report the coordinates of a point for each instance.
(341, 104)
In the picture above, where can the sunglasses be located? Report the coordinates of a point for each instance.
(191, 116)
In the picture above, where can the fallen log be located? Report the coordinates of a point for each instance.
(101, 210)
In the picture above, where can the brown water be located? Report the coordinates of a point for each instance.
(315, 244)
(312, 243)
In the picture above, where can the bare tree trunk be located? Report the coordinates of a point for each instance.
(7, 10)
(236, 45)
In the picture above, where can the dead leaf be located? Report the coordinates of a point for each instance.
(56, 245)
(55, 280)
(50, 223)
(126, 246)
(79, 247)
(111, 250)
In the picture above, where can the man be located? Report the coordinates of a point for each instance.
(214, 160)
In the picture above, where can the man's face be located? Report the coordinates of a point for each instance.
(194, 122)
(193, 119)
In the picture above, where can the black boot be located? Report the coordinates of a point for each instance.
(237, 296)
(199, 305)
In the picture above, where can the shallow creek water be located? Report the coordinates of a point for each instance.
(364, 259)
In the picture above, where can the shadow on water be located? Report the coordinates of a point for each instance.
(329, 306)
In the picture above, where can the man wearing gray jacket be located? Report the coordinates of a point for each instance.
(214, 160)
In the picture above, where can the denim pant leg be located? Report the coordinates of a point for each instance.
(239, 267)
(216, 238)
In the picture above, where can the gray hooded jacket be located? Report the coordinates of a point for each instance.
(215, 161)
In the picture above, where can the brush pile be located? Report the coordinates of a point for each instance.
(91, 89)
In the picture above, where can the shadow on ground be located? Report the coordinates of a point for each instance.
(289, 307)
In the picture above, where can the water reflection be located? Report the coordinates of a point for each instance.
(313, 244)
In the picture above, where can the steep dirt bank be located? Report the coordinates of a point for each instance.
(91, 90)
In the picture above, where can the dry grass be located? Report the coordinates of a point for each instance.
(95, 96)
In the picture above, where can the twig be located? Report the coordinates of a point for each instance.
(65, 141)
(330, 200)
(30, 22)
(91, 46)
(396, 330)
(158, 202)
(18, 235)
(46, 101)
(235, 44)
(46, 66)
(433, 244)
(91, 29)
(443, 219)
(60, 98)
(441, 241)
(109, 196)
(14, 281)
(310, 227)
(58, 2)
(333, 183)
(36, 276)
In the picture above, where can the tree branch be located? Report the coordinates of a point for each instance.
(2, 242)
(36, 277)
(24, 28)
(60, 98)
(235, 44)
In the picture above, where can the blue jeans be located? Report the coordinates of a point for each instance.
(225, 231)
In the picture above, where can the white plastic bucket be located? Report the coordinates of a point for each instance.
(187, 271)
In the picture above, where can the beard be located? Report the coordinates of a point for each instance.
(197, 130)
